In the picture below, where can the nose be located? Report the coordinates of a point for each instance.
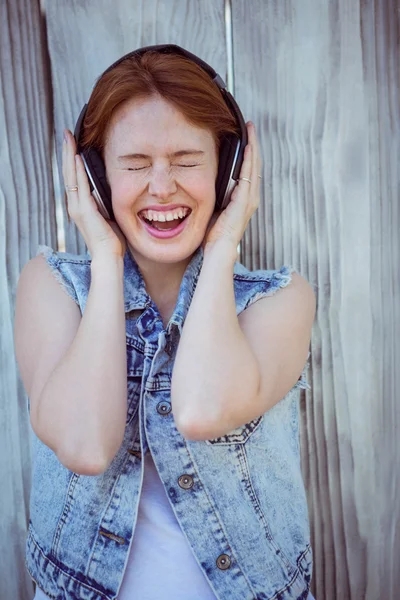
(162, 183)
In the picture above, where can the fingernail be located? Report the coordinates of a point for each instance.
(65, 136)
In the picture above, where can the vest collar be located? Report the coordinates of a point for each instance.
(135, 295)
(137, 298)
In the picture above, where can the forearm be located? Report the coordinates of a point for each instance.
(215, 369)
(82, 409)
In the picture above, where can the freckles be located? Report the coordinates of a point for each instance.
(200, 181)
(124, 185)
(124, 196)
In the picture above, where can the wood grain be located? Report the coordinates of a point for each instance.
(26, 218)
(320, 81)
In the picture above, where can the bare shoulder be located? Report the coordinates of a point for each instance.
(38, 286)
(46, 322)
(301, 290)
(297, 299)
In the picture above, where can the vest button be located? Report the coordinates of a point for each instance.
(185, 482)
(223, 562)
(163, 408)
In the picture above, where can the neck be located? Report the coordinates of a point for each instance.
(162, 281)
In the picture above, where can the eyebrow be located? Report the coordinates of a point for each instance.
(177, 154)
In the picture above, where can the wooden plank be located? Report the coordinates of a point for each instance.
(86, 37)
(26, 217)
(320, 81)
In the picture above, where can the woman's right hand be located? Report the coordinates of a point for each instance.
(102, 237)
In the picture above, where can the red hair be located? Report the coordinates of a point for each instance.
(177, 79)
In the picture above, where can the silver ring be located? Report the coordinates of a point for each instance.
(71, 188)
(244, 179)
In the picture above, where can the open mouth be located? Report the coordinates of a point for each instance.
(166, 225)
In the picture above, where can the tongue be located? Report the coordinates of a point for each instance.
(166, 224)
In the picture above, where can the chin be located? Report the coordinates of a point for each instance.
(164, 253)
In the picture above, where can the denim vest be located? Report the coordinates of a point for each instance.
(239, 498)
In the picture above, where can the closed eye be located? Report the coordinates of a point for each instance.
(142, 168)
(196, 165)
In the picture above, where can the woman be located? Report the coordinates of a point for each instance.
(164, 384)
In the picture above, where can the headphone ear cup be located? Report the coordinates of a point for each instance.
(96, 171)
(227, 153)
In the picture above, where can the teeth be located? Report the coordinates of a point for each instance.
(153, 215)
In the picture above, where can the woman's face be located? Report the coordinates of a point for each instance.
(155, 158)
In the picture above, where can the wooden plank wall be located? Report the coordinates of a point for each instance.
(27, 218)
(320, 80)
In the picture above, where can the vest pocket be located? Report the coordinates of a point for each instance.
(134, 387)
(239, 435)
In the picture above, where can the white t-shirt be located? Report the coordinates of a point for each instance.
(161, 563)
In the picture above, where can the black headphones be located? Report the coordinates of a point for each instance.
(230, 154)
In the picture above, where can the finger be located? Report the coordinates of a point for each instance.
(71, 198)
(64, 153)
(64, 149)
(259, 159)
(256, 166)
(245, 171)
(83, 183)
(70, 168)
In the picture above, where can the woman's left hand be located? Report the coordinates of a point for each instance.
(230, 224)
